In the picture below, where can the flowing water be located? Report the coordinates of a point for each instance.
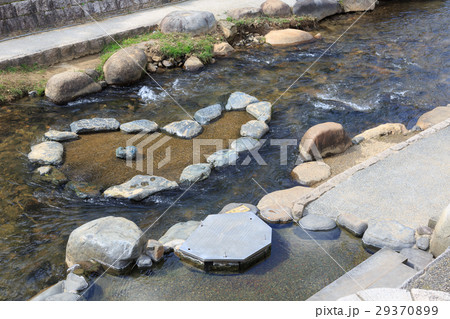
(391, 66)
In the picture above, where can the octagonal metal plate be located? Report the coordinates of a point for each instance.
(228, 238)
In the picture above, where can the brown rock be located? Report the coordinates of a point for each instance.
(357, 5)
(324, 139)
(382, 130)
(285, 197)
(433, 117)
(152, 68)
(276, 215)
(276, 8)
(155, 250)
(311, 173)
(288, 37)
(125, 66)
(228, 29)
(193, 64)
(222, 49)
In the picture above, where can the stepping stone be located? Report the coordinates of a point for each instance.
(49, 174)
(47, 153)
(239, 208)
(390, 234)
(352, 223)
(239, 101)
(276, 214)
(317, 223)
(196, 172)
(128, 152)
(139, 126)
(255, 129)
(184, 129)
(417, 259)
(310, 173)
(261, 111)
(245, 144)
(223, 158)
(59, 136)
(95, 125)
(208, 114)
(140, 187)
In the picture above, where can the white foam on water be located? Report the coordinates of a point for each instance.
(354, 106)
(85, 101)
(322, 105)
(148, 95)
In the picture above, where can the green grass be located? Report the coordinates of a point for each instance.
(272, 21)
(12, 90)
(24, 69)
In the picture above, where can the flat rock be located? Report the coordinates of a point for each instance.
(245, 144)
(111, 241)
(222, 49)
(155, 250)
(317, 223)
(128, 152)
(239, 101)
(193, 64)
(276, 214)
(352, 223)
(288, 37)
(94, 125)
(310, 173)
(47, 153)
(381, 130)
(180, 232)
(247, 12)
(195, 172)
(208, 114)
(74, 283)
(433, 117)
(318, 9)
(139, 126)
(417, 259)
(262, 111)
(186, 129)
(239, 208)
(440, 240)
(390, 234)
(125, 67)
(59, 136)
(223, 158)
(357, 5)
(192, 22)
(276, 8)
(255, 129)
(285, 197)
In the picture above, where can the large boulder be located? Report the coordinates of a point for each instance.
(433, 117)
(193, 22)
(276, 8)
(440, 240)
(125, 66)
(357, 5)
(111, 241)
(247, 12)
(318, 9)
(47, 153)
(389, 234)
(325, 139)
(288, 37)
(67, 86)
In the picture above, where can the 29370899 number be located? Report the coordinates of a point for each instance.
(407, 310)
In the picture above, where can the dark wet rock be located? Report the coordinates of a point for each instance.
(193, 64)
(94, 125)
(208, 114)
(318, 9)
(239, 208)
(184, 129)
(390, 234)
(140, 187)
(352, 223)
(423, 242)
(125, 66)
(278, 214)
(326, 138)
(311, 173)
(255, 129)
(144, 262)
(222, 49)
(74, 283)
(276, 8)
(239, 101)
(223, 158)
(260, 110)
(128, 152)
(155, 250)
(65, 296)
(440, 240)
(139, 126)
(247, 12)
(317, 223)
(83, 189)
(195, 172)
(357, 5)
(417, 259)
(59, 136)
(112, 241)
(177, 234)
(193, 22)
(433, 117)
(68, 86)
(49, 174)
(47, 153)
(288, 37)
(228, 29)
(245, 144)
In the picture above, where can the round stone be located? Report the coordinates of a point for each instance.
(317, 223)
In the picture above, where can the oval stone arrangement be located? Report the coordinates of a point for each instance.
(139, 187)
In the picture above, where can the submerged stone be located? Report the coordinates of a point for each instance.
(49, 174)
(83, 190)
(59, 136)
(255, 129)
(47, 153)
(128, 152)
(95, 125)
(239, 101)
(196, 172)
(261, 111)
(139, 126)
(223, 158)
(207, 114)
(185, 129)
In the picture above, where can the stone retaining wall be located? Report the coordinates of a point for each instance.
(24, 16)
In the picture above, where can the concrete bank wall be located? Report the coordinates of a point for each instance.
(24, 16)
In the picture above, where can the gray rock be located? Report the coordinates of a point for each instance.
(417, 259)
(195, 172)
(140, 187)
(440, 240)
(128, 152)
(429, 295)
(423, 242)
(310, 173)
(173, 245)
(47, 153)
(57, 288)
(68, 86)
(390, 234)
(262, 111)
(247, 12)
(223, 158)
(93, 74)
(65, 296)
(59, 136)
(424, 230)
(74, 283)
(357, 5)
(318, 9)
(207, 114)
(193, 22)
(352, 223)
(155, 250)
(94, 125)
(193, 64)
(228, 29)
(276, 214)
(357, 140)
(125, 66)
(255, 129)
(111, 241)
(144, 262)
(245, 144)
(239, 101)
(317, 223)
(239, 208)
(180, 231)
(139, 126)
(276, 8)
(185, 129)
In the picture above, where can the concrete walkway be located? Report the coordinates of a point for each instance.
(13, 52)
